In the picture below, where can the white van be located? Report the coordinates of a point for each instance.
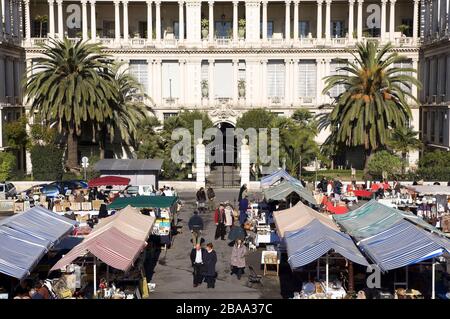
(146, 190)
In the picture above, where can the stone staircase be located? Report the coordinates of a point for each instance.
(224, 177)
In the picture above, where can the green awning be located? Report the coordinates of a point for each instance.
(374, 217)
(285, 188)
(143, 202)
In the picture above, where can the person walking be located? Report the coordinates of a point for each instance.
(229, 218)
(243, 206)
(195, 225)
(238, 258)
(201, 200)
(242, 192)
(219, 219)
(210, 260)
(198, 255)
(211, 197)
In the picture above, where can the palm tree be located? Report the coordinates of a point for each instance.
(41, 19)
(404, 140)
(374, 101)
(128, 110)
(70, 85)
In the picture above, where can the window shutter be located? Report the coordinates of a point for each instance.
(139, 70)
(307, 78)
(275, 78)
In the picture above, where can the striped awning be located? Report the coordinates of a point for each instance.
(403, 244)
(276, 176)
(117, 240)
(315, 240)
(285, 188)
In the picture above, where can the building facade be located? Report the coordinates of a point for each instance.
(227, 57)
(435, 75)
(12, 67)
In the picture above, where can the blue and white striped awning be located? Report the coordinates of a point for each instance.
(403, 244)
(315, 240)
(276, 176)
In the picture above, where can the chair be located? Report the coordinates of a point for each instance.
(253, 277)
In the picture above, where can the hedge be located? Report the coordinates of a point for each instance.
(47, 162)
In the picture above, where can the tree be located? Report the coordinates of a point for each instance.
(16, 134)
(374, 101)
(384, 164)
(404, 140)
(256, 118)
(70, 85)
(47, 162)
(41, 19)
(128, 110)
(7, 165)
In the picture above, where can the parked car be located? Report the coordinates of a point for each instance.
(7, 190)
(48, 190)
(146, 190)
(64, 186)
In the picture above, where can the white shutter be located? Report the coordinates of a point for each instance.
(337, 89)
(275, 78)
(408, 65)
(205, 70)
(307, 70)
(223, 79)
(139, 70)
(170, 79)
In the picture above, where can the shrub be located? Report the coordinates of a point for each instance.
(7, 165)
(435, 159)
(384, 162)
(47, 162)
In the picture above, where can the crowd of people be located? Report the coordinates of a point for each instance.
(225, 216)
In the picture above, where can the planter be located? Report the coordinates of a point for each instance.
(241, 92)
(205, 33)
(205, 92)
(241, 33)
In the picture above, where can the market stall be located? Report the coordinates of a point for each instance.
(27, 237)
(286, 188)
(108, 181)
(163, 208)
(117, 241)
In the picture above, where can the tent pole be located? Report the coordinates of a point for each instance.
(318, 269)
(95, 276)
(433, 280)
(326, 274)
(107, 274)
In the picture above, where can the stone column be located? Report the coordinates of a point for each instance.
(264, 20)
(296, 3)
(149, 22)
(51, 19)
(287, 81)
(27, 21)
(245, 162)
(84, 20)
(416, 21)
(319, 76)
(235, 21)
(392, 21)
(295, 97)
(158, 20)
(211, 21)
(235, 81)
(434, 18)
(117, 22)
(125, 20)
(200, 158)
(60, 19)
(193, 23)
(319, 19)
(360, 18)
(211, 81)
(328, 20)
(443, 16)
(383, 19)
(351, 23)
(181, 21)
(93, 22)
(16, 20)
(287, 21)
(427, 19)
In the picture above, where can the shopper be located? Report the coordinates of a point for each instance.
(229, 218)
(242, 192)
(238, 258)
(211, 197)
(210, 260)
(201, 199)
(195, 225)
(219, 219)
(197, 260)
(243, 206)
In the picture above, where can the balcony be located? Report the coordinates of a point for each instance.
(275, 100)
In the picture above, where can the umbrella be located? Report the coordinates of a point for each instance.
(237, 233)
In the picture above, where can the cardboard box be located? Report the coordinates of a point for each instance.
(75, 206)
(18, 207)
(96, 204)
(86, 206)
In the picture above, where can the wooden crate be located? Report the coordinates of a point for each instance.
(75, 206)
(86, 206)
(96, 204)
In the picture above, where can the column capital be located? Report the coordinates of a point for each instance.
(211, 61)
(328, 2)
(181, 2)
(157, 3)
(83, 2)
(351, 2)
(92, 2)
(265, 2)
(287, 60)
(211, 3)
(319, 2)
(182, 61)
(116, 2)
(416, 1)
(264, 61)
(51, 2)
(157, 61)
(287, 2)
(295, 60)
(149, 61)
(236, 3)
(27, 2)
(392, 2)
(125, 2)
(149, 2)
(360, 2)
(235, 61)
(59, 2)
(296, 2)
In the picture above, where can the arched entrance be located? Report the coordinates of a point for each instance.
(224, 166)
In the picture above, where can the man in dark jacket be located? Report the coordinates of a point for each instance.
(201, 200)
(198, 255)
(323, 185)
(195, 225)
(211, 196)
(210, 260)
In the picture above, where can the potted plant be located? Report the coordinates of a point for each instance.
(41, 20)
(205, 28)
(241, 88)
(241, 29)
(403, 28)
(205, 91)
(136, 35)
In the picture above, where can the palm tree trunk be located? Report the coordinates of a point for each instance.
(102, 143)
(403, 163)
(351, 278)
(72, 149)
(368, 156)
